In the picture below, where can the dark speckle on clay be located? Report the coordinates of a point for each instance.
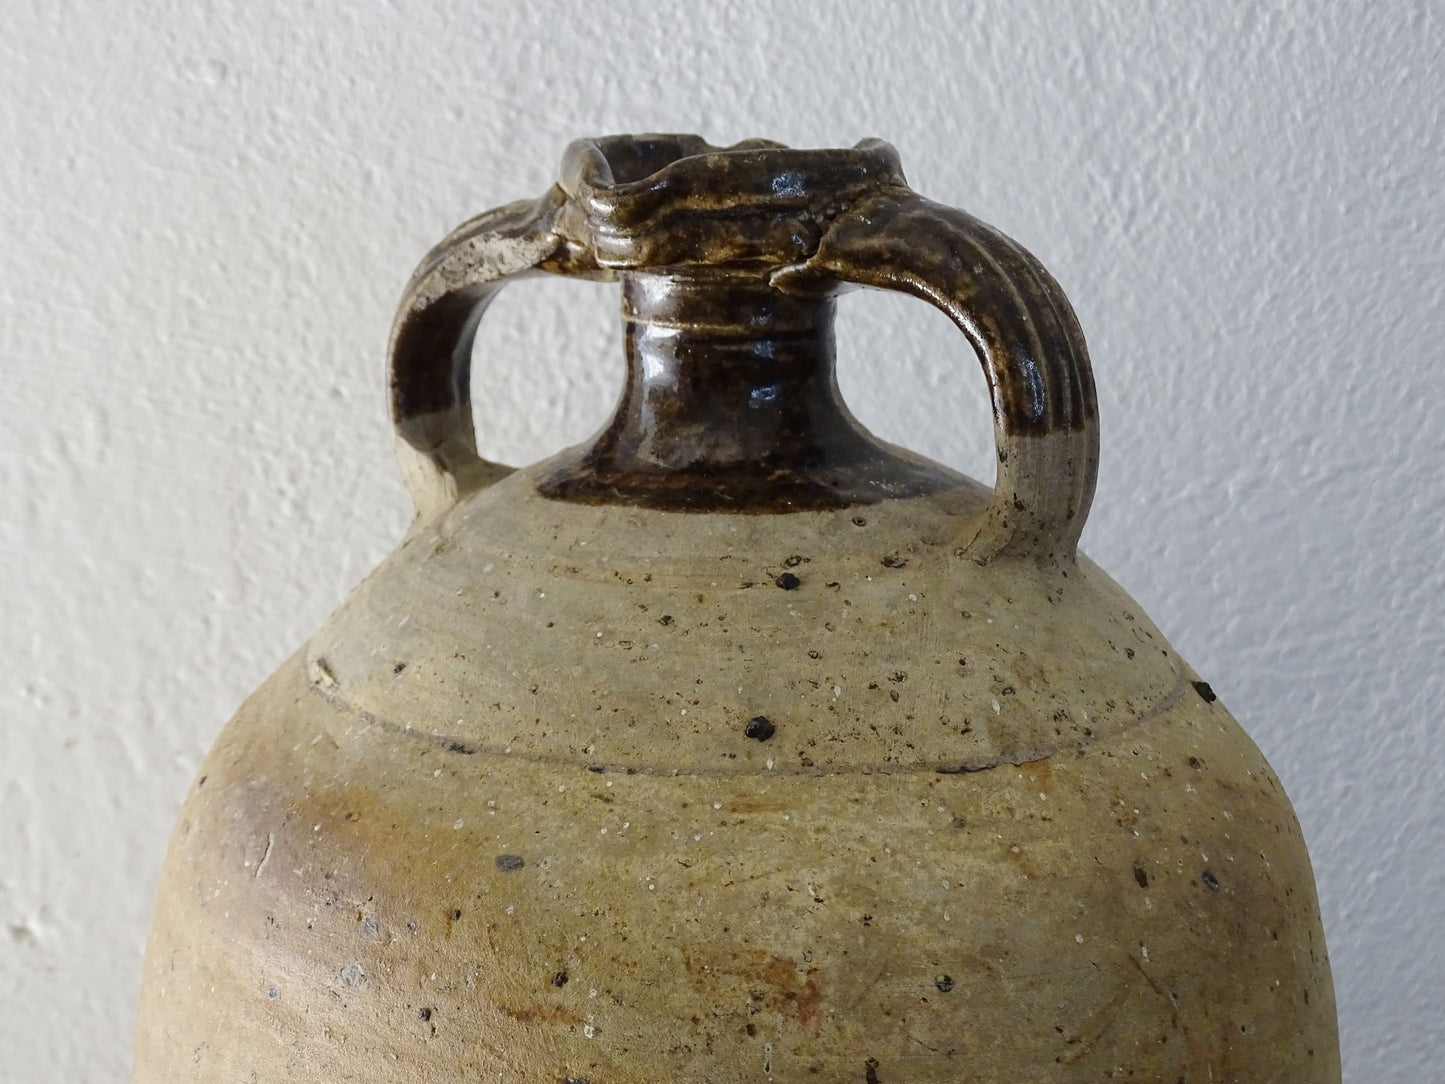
(788, 582)
(760, 728)
(510, 862)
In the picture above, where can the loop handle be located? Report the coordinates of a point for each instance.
(436, 324)
(1027, 339)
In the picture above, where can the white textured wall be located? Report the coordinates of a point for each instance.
(208, 211)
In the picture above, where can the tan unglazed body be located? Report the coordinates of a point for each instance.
(578, 791)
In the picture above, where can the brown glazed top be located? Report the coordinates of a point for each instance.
(729, 261)
(731, 402)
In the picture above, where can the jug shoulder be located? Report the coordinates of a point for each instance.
(864, 638)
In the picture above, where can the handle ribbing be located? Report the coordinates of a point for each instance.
(1026, 336)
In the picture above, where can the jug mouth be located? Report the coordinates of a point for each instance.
(661, 200)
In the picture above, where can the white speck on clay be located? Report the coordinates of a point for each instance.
(353, 976)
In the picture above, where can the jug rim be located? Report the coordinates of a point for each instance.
(754, 201)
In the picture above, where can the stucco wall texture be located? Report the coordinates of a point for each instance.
(208, 213)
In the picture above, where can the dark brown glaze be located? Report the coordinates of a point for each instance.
(731, 403)
(729, 258)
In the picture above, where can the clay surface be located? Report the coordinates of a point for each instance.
(501, 819)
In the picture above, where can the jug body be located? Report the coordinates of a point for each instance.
(736, 744)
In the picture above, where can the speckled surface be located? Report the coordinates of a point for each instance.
(209, 218)
(996, 829)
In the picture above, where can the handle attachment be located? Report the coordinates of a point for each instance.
(1027, 339)
(436, 324)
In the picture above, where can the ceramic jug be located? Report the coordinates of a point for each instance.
(736, 744)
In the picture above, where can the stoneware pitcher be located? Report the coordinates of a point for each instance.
(736, 744)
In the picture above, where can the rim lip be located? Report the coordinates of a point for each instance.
(690, 171)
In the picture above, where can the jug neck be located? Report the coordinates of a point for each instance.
(724, 372)
(731, 403)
